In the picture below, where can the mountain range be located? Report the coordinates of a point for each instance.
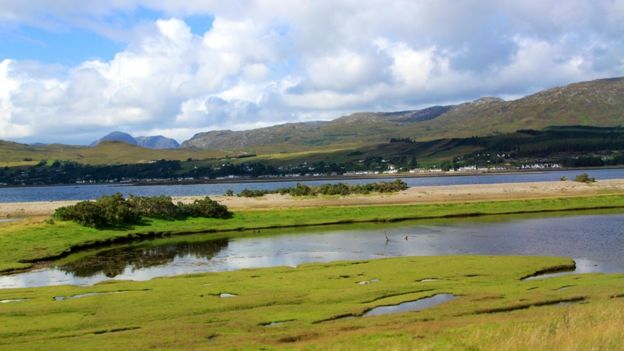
(598, 103)
(593, 103)
(148, 142)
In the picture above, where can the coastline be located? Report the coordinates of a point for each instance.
(383, 177)
(55, 239)
(413, 195)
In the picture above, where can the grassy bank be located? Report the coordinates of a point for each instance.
(22, 243)
(493, 308)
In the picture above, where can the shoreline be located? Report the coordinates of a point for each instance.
(151, 235)
(50, 241)
(249, 180)
(414, 195)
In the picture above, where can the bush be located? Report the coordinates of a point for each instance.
(155, 206)
(334, 189)
(331, 189)
(584, 178)
(114, 210)
(301, 190)
(205, 207)
(253, 193)
(111, 210)
(229, 192)
(117, 210)
(86, 213)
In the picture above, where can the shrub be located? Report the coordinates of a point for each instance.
(229, 192)
(334, 189)
(87, 213)
(253, 193)
(331, 189)
(301, 190)
(154, 206)
(205, 207)
(114, 210)
(584, 178)
(117, 210)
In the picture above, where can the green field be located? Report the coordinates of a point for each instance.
(493, 308)
(315, 306)
(108, 153)
(21, 243)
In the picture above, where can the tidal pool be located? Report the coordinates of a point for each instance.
(410, 306)
(595, 241)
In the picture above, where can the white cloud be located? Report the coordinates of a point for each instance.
(270, 61)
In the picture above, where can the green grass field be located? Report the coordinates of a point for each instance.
(21, 243)
(316, 306)
(493, 309)
(14, 154)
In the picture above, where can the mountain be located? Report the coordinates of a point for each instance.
(116, 136)
(232, 140)
(593, 103)
(148, 142)
(157, 142)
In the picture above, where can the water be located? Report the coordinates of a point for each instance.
(87, 192)
(596, 242)
(410, 306)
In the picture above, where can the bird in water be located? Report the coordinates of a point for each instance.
(387, 239)
(406, 237)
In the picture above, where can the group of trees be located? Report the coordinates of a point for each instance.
(115, 210)
(329, 189)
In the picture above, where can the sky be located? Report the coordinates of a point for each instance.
(73, 70)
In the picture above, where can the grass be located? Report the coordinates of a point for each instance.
(185, 312)
(14, 154)
(23, 243)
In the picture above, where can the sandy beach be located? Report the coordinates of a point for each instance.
(422, 194)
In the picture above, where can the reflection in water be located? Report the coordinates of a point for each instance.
(114, 262)
(594, 241)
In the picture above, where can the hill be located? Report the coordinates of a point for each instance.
(593, 103)
(148, 142)
(108, 152)
(157, 142)
(116, 136)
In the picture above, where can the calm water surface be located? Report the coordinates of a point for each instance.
(87, 192)
(595, 241)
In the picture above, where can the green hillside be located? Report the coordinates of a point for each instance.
(594, 103)
(438, 131)
(15, 154)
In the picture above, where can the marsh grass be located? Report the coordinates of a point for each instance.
(185, 312)
(22, 243)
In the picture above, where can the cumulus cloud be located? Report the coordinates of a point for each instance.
(267, 62)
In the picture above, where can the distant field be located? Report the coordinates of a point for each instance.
(320, 307)
(13, 154)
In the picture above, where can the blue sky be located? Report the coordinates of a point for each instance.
(68, 43)
(71, 71)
